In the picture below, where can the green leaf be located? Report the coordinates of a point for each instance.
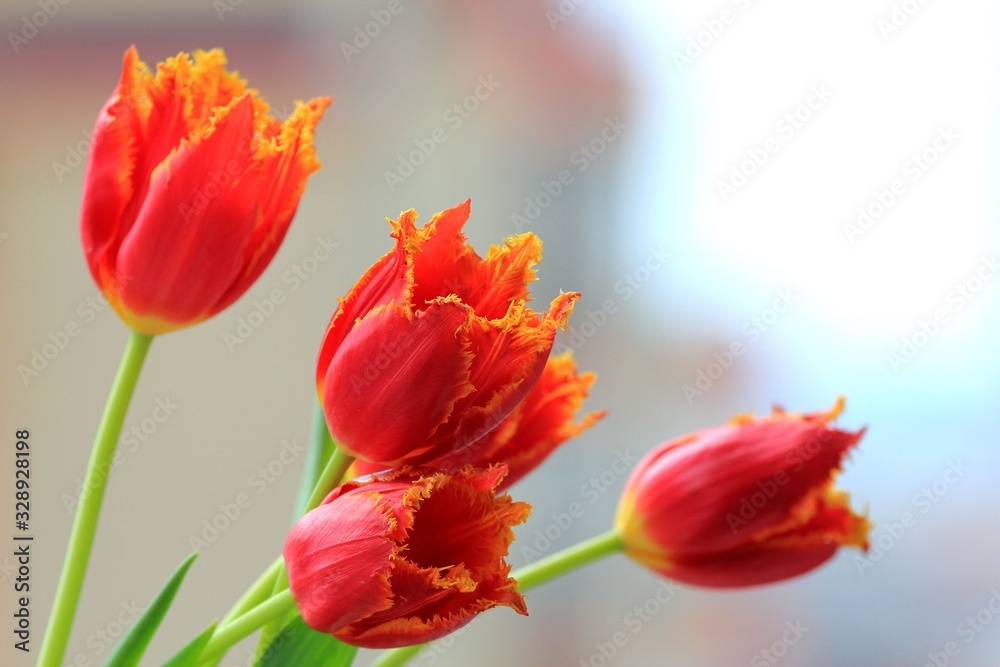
(134, 644)
(188, 656)
(298, 644)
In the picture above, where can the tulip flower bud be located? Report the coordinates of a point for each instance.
(747, 503)
(434, 346)
(405, 557)
(189, 190)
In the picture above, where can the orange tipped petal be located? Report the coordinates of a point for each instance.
(502, 344)
(190, 188)
(396, 378)
(757, 491)
(426, 554)
(534, 429)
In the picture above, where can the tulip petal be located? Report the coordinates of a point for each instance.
(449, 536)
(109, 181)
(409, 370)
(743, 504)
(444, 263)
(761, 471)
(508, 356)
(387, 280)
(186, 247)
(340, 553)
(286, 161)
(534, 429)
(823, 523)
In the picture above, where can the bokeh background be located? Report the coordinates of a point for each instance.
(719, 156)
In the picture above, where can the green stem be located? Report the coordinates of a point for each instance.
(275, 607)
(567, 560)
(330, 478)
(529, 576)
(321, 447)
(95, 482)
(333, 473)
(259, 591)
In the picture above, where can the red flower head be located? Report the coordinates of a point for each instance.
(190, 188)
(747, 503)
(434, 346)
(405, 557)
(536, 427)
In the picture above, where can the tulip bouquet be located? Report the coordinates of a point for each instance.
(436, 390)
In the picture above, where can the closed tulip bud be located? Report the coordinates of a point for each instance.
(434, 346)
(405, 557)
(747, 503)
(189, 189)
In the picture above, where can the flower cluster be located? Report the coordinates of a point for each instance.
(436, 383)
(433, 360)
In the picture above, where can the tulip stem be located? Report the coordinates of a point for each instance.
(529, 576)
(567, 560)
(273, 608)
(321, 448)
(334, 471)
(81, 539)
(330, 478)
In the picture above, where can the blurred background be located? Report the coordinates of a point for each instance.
(762, 203)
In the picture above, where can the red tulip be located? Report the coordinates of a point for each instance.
(747, 503)
(405, 557)
(532, 431)
(189, 190)
(434, 346)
